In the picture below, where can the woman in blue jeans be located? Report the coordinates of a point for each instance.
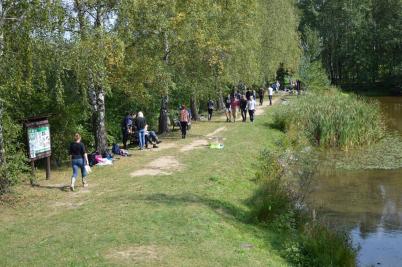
(79, 159)
(140, 123)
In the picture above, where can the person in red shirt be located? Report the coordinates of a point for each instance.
(184, 120)
(234, 106)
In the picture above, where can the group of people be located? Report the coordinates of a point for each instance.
(245, 102)
(137, 127)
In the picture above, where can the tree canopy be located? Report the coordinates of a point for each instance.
(87, 62)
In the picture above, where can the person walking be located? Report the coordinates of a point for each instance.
(79, 160)
(126, 128)
(210, 109)
(228, 110)
(140, 123)
(270, 94)
(243, 108)
(184, 120)
(261, 95)
(251, 108)
(248, 94)
(298, 87)
(234, 106)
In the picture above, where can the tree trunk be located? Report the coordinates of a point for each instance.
(2, 151)
(97, 102)
(164, 110)
(100, 127)
(163, 116)
(1, 28)
(194, 108)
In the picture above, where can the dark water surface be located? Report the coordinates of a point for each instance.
(367, 204)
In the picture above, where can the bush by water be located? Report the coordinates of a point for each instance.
(279, 204)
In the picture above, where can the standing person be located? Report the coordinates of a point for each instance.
(270, 93)
(233, 106)
(228, 110)
(126, 125)
(184, 120)
(140, 123)
(243, 108)
(278, 86)
(251, 108)
(261, 95)
(79, 160)
(298, 87)
(248, 94)
(210, 109)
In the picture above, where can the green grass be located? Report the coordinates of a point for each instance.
(332, 119)
(196, 217)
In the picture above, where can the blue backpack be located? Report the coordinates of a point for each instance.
(116, 149)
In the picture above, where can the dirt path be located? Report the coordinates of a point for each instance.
(167, 165)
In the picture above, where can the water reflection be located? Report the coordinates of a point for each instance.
(392, 107)
(367, 204)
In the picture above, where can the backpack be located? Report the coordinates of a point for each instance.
(91, 159)
(116, 149)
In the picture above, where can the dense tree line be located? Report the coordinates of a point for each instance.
(358, 41)
(86, 62)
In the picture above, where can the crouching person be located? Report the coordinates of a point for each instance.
(151, 137)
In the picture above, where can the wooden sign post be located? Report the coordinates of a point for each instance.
(39, 146)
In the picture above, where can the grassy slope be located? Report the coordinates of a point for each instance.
(195, 217)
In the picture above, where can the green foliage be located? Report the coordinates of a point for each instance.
(332, 119)
(360, 39)
(280, 205)
(319, 246)
(56, 58)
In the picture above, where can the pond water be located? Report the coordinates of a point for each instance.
(367, 204)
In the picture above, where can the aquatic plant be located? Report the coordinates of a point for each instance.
(332, 119)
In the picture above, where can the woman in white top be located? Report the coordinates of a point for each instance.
(270, 93)
(251, 108)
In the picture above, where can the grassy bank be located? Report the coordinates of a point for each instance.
(279, 204)
(331, 119)
(196, 216)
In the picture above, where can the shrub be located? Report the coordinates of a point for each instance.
(320, 246)
(279, 205)
(11, 171)
(332, 119)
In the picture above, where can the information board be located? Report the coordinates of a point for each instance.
(39, 141)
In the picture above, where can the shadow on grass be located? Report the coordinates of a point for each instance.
(221, 207)
(229, 212)
(64, 188)
(273, 125)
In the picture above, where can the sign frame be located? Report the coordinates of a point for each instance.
(35, 123)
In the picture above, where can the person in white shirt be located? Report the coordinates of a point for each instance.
(251, 108)
(278, 86)
(270, 93)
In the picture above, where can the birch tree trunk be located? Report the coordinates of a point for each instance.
(164, 110)
(99, 120)
(96, 91)
(2, 151)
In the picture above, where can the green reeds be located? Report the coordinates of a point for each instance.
(332, 119)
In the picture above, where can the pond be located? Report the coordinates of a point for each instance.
(367, 204)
